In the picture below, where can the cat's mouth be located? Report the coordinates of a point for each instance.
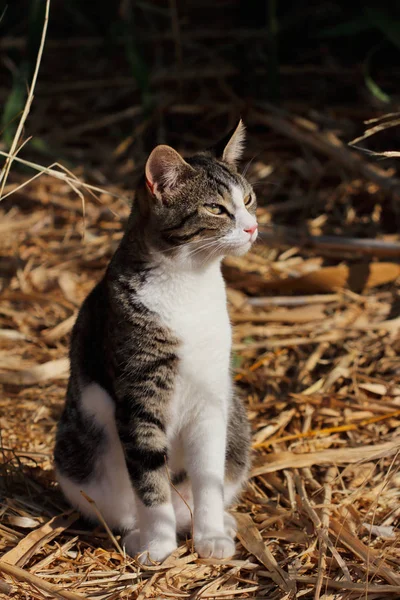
(239, 248)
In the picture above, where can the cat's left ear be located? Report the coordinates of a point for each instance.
(230, 148)
(166, 170)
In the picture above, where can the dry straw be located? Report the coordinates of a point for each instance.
(316, 360)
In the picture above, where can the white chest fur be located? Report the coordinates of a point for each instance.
(193, 305)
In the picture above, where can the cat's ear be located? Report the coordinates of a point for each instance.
(165, 171)
(230, 148)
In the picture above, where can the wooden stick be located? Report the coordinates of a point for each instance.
(38, 582)
(325, 518)
(287, 236)
(294, 300)
(352, 586)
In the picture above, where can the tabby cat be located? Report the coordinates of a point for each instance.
(151, 423)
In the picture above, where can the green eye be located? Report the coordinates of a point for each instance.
(216, 209)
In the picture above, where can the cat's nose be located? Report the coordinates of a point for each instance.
(251, 229)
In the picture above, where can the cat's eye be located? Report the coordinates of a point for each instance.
(248, 200)
(216, 209)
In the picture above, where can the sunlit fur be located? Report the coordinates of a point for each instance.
(180, 225)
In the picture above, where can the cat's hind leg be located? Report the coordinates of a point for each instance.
(237, 460)
(90, 459)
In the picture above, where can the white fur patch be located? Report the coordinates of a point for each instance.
(193, 305)
(110, 486)
(244, 219)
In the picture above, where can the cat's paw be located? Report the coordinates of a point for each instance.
(131, 541)
(215, 545)
(147, 553)
(156, 551)
(230, 525)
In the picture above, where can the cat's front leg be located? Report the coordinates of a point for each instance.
(205, 447)
(145, 447)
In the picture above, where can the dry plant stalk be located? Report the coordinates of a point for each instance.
(13, 150)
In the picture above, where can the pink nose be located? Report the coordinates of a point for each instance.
(251, 229)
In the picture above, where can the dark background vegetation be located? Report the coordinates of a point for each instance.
(117, 78)
(318, 54)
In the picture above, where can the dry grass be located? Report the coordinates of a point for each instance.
(316, 356)
(318, 372)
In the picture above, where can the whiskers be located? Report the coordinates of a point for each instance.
(264, 182)
(209, 243)
(206, 249)
(246, 168)
(182, 245)
(196, 246)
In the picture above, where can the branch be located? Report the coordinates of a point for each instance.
(287, 236)
(331, 146)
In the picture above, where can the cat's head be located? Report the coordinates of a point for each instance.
(201, 207)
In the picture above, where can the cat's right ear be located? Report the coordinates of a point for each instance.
(230, 148)
(165, 171)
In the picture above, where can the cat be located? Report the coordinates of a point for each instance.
(151, 424)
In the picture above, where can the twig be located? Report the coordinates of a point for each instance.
(352, 586)
(329, 430)
(62, 176)
(287, 236)
(103, 522)
(322, 534)
(39, 582)
(330, 476)
(367, 554)
(374, 130)
(321, 143)
(333, 336)
(294, 300)
(289, 460)
(6, 169)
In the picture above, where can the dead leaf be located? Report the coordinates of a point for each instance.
(290, 460)
(366, 553)
(386, 532)
(38, 582)
(24, 522)
(251, 539)
(54, 369)
(56, 333)
(31, 543)
(68, 284)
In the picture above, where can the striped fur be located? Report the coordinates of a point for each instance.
(150, 386)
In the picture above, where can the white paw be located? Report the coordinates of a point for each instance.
(230, 525)
(131, 541)
(214, 545)
(156, 551)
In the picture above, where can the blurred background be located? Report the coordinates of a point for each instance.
(118, 77)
